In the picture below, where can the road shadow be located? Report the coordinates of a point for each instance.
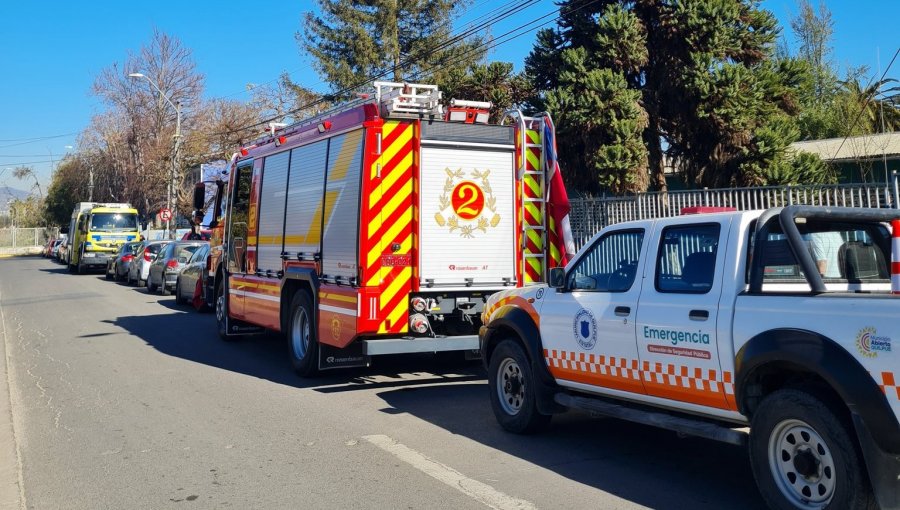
(642, 464)
(186, 334)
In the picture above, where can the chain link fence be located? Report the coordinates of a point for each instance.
(26, 237)
(589, 215)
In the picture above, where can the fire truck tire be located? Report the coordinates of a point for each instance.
(511, 384)
(804, 456)
(303, 347)
(222, 314)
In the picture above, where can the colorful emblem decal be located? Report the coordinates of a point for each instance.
(467, 205)
(869, 344)
(584, 328)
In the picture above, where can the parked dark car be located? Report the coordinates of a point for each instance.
(170, 261)
(117, 267)
(186, 286)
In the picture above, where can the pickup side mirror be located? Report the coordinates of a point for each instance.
(199, 195)
(557, 277)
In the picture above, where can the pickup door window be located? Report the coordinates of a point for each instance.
(588, 328)
(678, 311)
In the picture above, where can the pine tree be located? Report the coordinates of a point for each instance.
(406, 40)
(706, 85)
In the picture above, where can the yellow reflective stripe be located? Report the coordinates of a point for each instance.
(535, 264)
(533, 136)
(391, 291)
(394, 174)
(339, 297)
(391, 150)
(398, 312)
(379, 277)
(533, 185)
(536, 239)
(535, 211)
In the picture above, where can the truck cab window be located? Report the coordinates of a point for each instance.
(610, 265)
(687, 258)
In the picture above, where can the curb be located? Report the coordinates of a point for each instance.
(11, 490)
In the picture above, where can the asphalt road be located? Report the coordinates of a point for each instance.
(122, 399)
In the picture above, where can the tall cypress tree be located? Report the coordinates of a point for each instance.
(710, 96)
(353, 40)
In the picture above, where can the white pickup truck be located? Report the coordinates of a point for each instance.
(782, 321)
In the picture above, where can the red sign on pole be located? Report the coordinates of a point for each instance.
(165, 214)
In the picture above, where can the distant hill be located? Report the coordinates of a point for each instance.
(7, 194)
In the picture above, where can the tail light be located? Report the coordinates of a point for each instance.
(146, 255)
(171, 264)
(128, 258)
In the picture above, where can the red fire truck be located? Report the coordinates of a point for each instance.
(380, 227)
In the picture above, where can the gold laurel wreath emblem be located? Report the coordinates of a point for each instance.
(453, 221)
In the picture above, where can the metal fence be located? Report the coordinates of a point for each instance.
(589, 215)
(14, 237)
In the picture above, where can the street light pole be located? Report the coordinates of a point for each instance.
(172, 192)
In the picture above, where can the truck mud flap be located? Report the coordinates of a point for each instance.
(349, 357)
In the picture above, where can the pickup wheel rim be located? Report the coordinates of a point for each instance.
(802, 464)
(300, 334)
(510, 386)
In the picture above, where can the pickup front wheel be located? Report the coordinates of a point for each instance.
(804, 456)
(512, 390)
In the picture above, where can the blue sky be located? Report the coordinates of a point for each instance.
(52, 50)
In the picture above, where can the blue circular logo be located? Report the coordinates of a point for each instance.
(584, 328)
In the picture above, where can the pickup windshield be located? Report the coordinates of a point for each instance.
(110, 222)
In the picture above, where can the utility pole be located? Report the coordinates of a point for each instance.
(173, 185)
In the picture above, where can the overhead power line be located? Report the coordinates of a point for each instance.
(329, 97)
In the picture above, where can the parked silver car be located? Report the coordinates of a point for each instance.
(117, 267)
(170, 261)
(194, 273)
(140, 266)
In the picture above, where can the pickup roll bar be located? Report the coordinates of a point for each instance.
(787, 219)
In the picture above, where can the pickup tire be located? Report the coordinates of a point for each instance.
(804, 456)
(302, 344)
(511, 385)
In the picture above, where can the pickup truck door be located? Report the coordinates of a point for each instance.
(678, 311)
(587, 328)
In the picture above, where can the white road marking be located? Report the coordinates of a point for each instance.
(472, 488)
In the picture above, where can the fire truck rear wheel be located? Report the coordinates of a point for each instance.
(803, 455)
(511, 384)
(303, 347)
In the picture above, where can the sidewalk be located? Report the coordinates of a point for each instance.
(10, 491)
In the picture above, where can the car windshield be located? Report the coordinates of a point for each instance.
(110, 222)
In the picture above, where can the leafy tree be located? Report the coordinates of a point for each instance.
(353, 40)
(705, 81)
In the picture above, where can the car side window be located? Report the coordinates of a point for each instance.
(610, 265)
(686, 261)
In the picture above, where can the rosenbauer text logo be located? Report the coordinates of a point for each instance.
(869, 344)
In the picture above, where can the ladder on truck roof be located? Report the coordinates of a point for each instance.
(532, 177)
(393, 100)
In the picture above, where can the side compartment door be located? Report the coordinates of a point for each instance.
(678, 312)
(236, 238)
(588, 329)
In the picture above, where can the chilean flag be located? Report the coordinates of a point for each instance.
(560, 240)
